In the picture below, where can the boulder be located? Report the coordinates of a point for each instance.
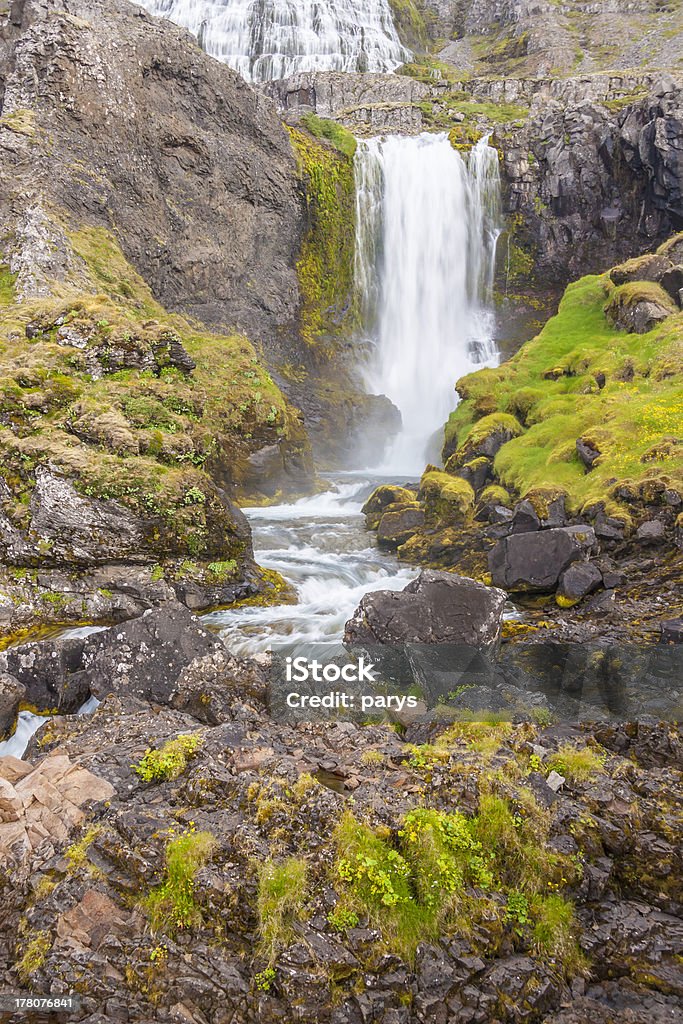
(580, 579)
(587, 452)
(672, 283)
(535, 561)
(525, 518)
(383, 497)
(396, 527)
(672, 631)
(48, 673)
(651, 532)
(145, 657)
(436, 608)
(12, 693)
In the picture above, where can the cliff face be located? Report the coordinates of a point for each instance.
(127, 125)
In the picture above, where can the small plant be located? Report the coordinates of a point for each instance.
(535, 763)
(518, 911)
(170, 761)
(222, 570)
(264, 979)
(580, 764)
(157, 573)
(194, 496)
(282, 887)
(340, 919)
(159, 955)
(371, 757)
(78, 852)
(34, 955)
(172, 905)
(542, 717)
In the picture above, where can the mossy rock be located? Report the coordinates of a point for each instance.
(494, 494)
(447, 498)
(622, 390)
(384, 497)
(486, 436)
(639, 306)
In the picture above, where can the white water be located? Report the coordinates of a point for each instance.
(270, 39)
(428, 224)
(321, 547)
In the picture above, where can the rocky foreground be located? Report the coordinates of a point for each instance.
(180, 856)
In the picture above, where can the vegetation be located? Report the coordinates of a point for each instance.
(34, 955)
(282, 890)
(325, 266)
(172, 905)
(169, 761)
(444, 495)
(77, 853)
(342, 139)
(581, 378)
(443, 872)
(579, 764)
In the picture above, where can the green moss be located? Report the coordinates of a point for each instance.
(325, 266)
(34, 955)
(495, 495)
(410, 19)
(7, 281)
(169, 761)
(331, 131)
(282, 890)
(172, 905)
(580, 378)
(77, 853)
(21, 122)
(445, 494)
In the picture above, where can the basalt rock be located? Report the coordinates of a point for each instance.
(12, 693)
(47, 671)
(437, 607)
(535, 561)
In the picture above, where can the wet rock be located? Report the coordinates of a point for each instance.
(145, 658)
(48, 671)
(395, 528)
(12, 693)
(384, 497)
(437, 607)
(535, 561)
(672, 631)
(579, 580)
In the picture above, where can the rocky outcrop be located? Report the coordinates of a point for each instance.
(535, 561)
(436, 608)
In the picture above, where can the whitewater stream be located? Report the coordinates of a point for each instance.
(428, 224)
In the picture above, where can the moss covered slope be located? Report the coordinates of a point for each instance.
(582, 380)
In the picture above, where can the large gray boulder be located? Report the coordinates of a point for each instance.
(48, 673)
(535, 561)
(436, 608)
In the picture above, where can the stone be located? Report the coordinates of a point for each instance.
(12, 693)
(672, 283)
(580, 579)
(144, 658)
(395, 528)
(672, 631)
(555, 781)
(525, 518)
(47, 671)
(651, 532)
(587, 453)
(535, 561)
(436, 608)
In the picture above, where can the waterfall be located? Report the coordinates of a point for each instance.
(428, 221)
(271, 39)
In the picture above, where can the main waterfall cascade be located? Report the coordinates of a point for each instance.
(428, 222)
(271, 39)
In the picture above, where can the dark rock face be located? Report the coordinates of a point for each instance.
(46, 672)
(437, 607)
(145, 113)
(535, 561)
(11, 695)
(580, 579)
(396, 527)
(144, 658)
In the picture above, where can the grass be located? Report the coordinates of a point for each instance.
(578, 764)
(440, 874)
(172, 905)
(34, 955)
(77, 853)
(340, 137)
(580, 378)
(282, 890)
(169, 761)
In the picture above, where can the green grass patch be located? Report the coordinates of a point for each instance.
(322, 128)
(579, 764)
(170, 760)
(581, 378)
(282, 891)
(172, 905)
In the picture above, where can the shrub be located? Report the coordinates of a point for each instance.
(169, 761)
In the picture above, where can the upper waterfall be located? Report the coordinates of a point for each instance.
(271, 39)
(428, 221)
